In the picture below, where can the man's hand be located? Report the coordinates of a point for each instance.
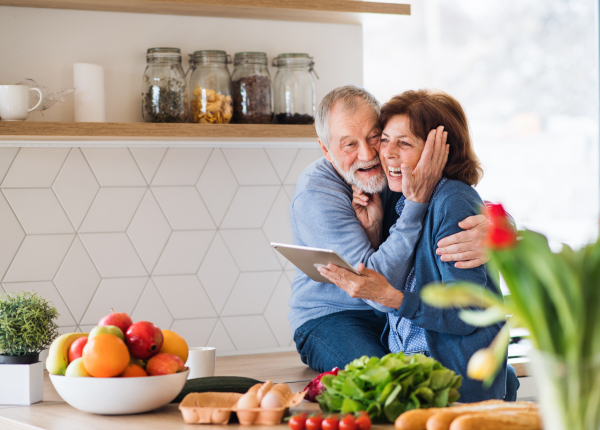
(369, 285)
(369, 211)
(418, 185)
(467, 248)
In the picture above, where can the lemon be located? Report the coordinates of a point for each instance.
(174, 344)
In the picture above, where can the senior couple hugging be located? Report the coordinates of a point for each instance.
(394, 196)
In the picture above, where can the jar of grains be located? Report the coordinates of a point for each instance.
(164, 94)
(210, 88)
(294, 89)
(251, 89)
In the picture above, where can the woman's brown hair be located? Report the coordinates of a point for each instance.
(428, 110)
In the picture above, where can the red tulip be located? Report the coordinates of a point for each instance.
(501, 234)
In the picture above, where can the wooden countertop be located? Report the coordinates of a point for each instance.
(54, 414)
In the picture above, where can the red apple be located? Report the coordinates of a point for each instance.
(118, 319)
(76, 349)
(164, 364)
(144, 339)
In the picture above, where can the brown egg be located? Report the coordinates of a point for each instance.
(248, 401)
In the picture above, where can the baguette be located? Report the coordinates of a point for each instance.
(417, 419)
(443, 418)
(498, 421)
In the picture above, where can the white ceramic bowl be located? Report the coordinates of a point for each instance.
(119, 396)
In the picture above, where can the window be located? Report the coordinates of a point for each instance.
(526, 73)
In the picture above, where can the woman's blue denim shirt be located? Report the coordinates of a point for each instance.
(450, 340)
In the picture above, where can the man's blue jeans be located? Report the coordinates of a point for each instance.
(336, 339)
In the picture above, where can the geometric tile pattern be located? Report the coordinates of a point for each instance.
(176, 236)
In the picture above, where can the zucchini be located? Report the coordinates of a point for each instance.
(218, 384)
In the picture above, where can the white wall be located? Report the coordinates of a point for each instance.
(179, 237)
(43, 44)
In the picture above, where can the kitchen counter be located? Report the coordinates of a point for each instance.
(54, 414)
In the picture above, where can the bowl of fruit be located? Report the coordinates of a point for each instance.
(119, 368)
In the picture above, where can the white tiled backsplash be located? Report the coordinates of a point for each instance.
(176, 236)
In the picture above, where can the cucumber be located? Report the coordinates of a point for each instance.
(218, 384)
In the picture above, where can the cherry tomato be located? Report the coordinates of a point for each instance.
(363, 422)
(347, 423)
(297, 421)
(314, 422)
(330, 423)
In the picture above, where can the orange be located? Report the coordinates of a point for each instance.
(105, 355)
(133, 371)
(174, 344)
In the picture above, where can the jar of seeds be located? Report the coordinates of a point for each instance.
(251, 89)
(210, 88)
(294, 89)
(164, 92)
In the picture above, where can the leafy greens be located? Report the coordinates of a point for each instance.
(389, 386)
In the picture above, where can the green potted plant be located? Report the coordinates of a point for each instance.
(556, 297)
(27, 327)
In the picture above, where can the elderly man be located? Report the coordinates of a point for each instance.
(329, 327)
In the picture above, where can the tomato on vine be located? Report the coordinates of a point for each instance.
(347, 423)
(314, 422)
(363, 421)
(330, 423)
(298, 421)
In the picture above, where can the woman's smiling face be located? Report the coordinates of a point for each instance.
(399, 146)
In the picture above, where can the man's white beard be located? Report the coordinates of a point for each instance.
(371, 185)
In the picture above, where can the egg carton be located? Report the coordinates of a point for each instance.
(268, 416)
(216, 408)
(208, 408)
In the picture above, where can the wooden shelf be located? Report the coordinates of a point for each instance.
(44, 133)
(332, 11)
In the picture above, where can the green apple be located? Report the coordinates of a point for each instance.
(76, 368)
(141, 363)
(106, 329)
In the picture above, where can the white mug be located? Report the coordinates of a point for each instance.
(14, 102)
(201, 361)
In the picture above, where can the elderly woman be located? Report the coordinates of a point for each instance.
(414, 327)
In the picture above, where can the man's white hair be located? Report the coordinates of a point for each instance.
(349, 97)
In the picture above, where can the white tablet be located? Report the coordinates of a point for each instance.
(309, 259)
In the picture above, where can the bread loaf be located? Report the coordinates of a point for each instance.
(441, 418)
(513, 420)
(415, 419)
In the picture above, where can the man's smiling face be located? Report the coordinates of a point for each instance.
(354, 146)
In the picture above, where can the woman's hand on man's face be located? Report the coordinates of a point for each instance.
(369, 285)
(418, 184)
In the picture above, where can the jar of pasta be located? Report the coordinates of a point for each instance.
(210, 88)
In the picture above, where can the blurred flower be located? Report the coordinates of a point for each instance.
(482, 365)
(501, 234)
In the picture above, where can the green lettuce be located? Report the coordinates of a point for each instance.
(389, 386)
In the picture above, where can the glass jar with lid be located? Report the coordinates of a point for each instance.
(294, 89)
(251, 85)
(210, 87)
(164, 92)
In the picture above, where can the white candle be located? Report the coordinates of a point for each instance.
(89, 92)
